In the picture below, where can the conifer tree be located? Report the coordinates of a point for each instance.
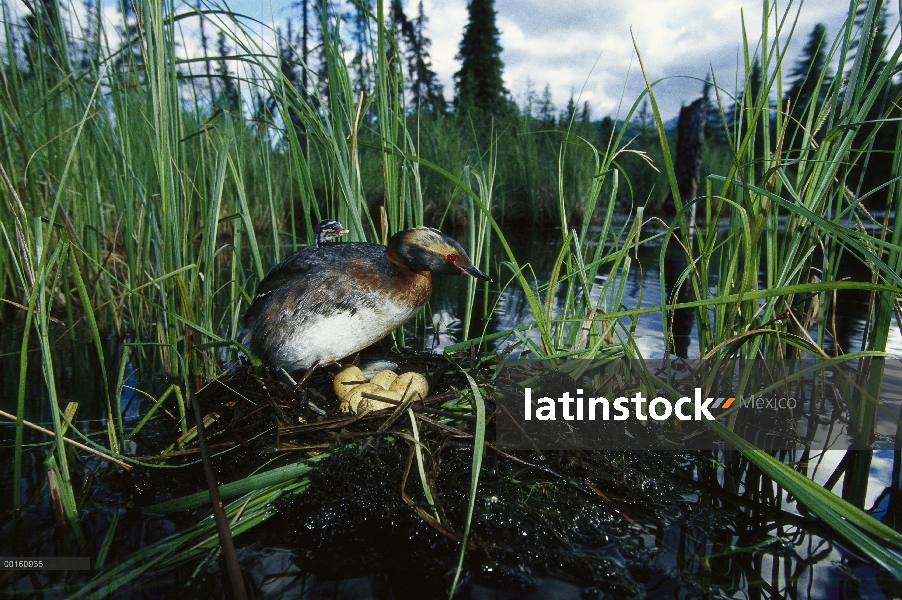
(755, 82)
(304, 6)
(205, 49)
(413, 50)
(873, 41)
(92, 44)
(877, 136)
(585, 117)
(545, 108)
(807, 73)
(530, 100)
(228, 95)
(645, 124)
(131, 55)
(746, 99)
(714, 128)
(402, 31)
(287, 41)
(479, 85)
(46, 45)
(361, 65)
(744, 109)
(606, 129)
(424, 85)
(326, 27)
(12, 42)
(569, 112)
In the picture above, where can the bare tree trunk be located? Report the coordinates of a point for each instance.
(688, 167)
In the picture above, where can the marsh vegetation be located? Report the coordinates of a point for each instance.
(145, 195)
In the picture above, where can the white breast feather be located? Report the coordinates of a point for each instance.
(336, 336)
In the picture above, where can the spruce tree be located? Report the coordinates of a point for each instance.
(92, 44)
(12, 42)
(743, 109)
(606, 129)
(546, 108)
(424, 85)
(807, 73)
(569, 112)
(228, 95)
(327, 30)
(132, 57)
(873, 41)
(755, 82)
(402, 32)
(205, 48)
(530, 100)
(287, 40)
(361, 65)
(877, 136)
(478, 84)
(411, 46)
(807, 92)
(303, 39)
(714, 128)
(46, 45)
(646, 128)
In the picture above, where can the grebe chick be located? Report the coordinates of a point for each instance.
(326, 230)
(322, 304)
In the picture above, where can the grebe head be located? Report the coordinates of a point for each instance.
(326, 230)
(427, 249)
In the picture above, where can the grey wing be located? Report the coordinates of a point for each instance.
(310, 261)
(292, 312)
(297, 265)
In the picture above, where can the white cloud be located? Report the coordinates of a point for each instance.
(559, 42)
(575, 46)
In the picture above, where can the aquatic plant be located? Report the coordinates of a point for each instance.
(134, 205)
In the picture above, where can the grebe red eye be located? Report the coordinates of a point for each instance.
(452, 257)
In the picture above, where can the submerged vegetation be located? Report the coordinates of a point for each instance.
(141, 206)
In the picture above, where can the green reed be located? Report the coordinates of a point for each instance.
(784, 196)
(134, 206)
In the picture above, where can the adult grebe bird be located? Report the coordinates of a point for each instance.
(326, 230)
(322, 304)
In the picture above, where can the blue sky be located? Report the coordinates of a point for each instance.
(584, 47)
(579, 47)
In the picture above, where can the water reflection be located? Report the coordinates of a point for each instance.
(774, 549)
(510, 308)
(681, 320)
(538, 250)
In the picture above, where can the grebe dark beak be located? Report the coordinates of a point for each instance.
(474, 272)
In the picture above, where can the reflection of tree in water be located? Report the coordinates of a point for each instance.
(681, 320)
(850, 310)
(537, 255)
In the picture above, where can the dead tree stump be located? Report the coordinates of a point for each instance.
(688, 170)
(688, 166)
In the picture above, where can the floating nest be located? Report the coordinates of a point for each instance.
(587, 518)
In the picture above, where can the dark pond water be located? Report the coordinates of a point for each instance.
(773, 551)
(509, 309)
